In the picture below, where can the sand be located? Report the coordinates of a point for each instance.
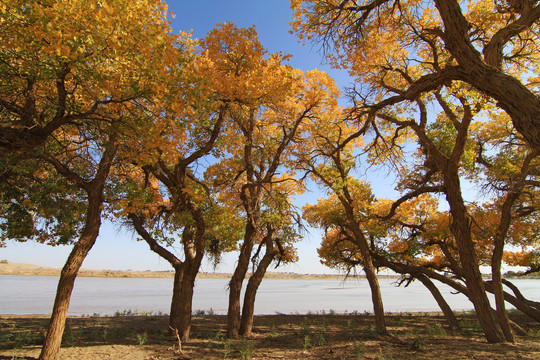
(12, 268)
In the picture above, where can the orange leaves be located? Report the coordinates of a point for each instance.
(232, 49)
(319, 91)
(484, 16)
(398, 246)
(326, 213)
(338, 252)
(86, 60)
(523, 258)
(269, 105)
(412, 95)
(233, 60)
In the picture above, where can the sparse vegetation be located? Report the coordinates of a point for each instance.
(246, 349)
(142, 338)
(359, 350)
(436, 330)
(288, 336)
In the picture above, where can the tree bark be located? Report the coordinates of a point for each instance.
(138, 223)
(485, 73)
(469, 263)
(447, 311)
(95, 191)
(53, 339)
(193, 251)
(176, 297)
(235, 284)
(248, 309)
(367, 262)
(182, 320)
(517, 185)
(496, 273)
(376, 297)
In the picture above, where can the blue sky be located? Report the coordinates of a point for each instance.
(116, 247)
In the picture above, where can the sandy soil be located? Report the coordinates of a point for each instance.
(329, 336)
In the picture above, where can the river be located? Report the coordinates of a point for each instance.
(23, 295)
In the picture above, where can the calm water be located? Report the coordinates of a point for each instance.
(35, 295)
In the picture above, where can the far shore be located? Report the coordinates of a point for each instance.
(12, 268)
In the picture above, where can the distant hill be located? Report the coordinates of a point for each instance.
(12, 268)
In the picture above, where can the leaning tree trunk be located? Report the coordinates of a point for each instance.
(469, 263)
(248, 309)
(498, 251)
(496, 273)
(447, 311)
(376, 297)
(53, 339)
(527, 307)
(235, 285)
(369, 269)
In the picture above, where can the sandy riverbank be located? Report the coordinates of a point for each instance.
(12, 268)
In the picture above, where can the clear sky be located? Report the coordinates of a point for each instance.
(116, 247)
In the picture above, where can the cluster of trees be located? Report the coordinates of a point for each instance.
(447, 93)
(105, 112)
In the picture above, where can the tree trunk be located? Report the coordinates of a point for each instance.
(376, 296)
(53, 339)
(369, 269)
(499, 242)
(469, 263)
(519, 295)
(521, 104)
(527, 307)
(183, 315)
(194, 251)
(235, 285)
(447, 311)
(176, 297)
(185, 272)
(255, 280)
(496, 273)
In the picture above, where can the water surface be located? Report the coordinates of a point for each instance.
(35, 295)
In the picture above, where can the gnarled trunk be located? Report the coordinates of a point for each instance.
(182, 320)
(496, 277)
(486, 74)
(194, 251)
(53, 339)
(235, 284)
(177, 296)
(376, 297)
(469, 262)
(94, 190)
(185, 272)
(255, 280)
